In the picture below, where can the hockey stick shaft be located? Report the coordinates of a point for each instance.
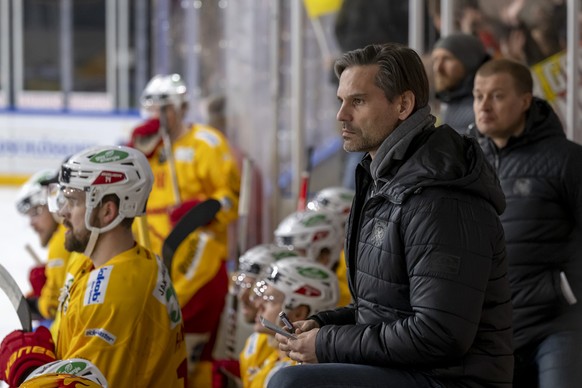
(33, 254)
(304, 185)
(244, 206)
(17, 299)
(169, 153)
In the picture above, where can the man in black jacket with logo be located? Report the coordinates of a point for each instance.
(541, 175)
(425, 249)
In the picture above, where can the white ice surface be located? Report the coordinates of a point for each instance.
(15, 233)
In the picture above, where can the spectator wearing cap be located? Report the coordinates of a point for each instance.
(455, 59)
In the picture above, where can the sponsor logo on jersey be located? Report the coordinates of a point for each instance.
(65, 293)
(101, 333)
(184, 154)
(108, 156)
(55, 263)
(97, 286)
(208, 137)
(164, 292)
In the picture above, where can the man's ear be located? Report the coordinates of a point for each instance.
(407, 101)
(108, 211)
(526, 101)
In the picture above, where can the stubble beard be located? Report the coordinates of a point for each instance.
(77, 244)
(74, 243)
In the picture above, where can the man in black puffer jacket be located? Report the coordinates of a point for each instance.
(541, 174)
(425, 248)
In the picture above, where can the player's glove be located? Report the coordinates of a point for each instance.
(37, 279)
(21, 352)
(179, 211)
(146, 137)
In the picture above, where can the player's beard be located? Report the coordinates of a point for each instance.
(444, 82)
(78, 241)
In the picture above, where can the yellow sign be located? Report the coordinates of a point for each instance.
(316, 8)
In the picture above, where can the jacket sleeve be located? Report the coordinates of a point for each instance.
(339, 316)
(447, 245)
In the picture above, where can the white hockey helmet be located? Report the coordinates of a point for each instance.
(311, 231)
(163, 90)
(335, 199)
(303, 282)
(256, 260)
(35, 191)
(69, 372)
(104, 170)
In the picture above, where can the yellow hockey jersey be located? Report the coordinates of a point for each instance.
(205, 168)
(260, 359)
(55, 271)
(345, 298)
(124, 317)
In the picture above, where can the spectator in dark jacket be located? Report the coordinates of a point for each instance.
(425, 248)
(541, 174)
(455, 59)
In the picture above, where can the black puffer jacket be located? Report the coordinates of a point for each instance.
(541, 176)
(426, 263)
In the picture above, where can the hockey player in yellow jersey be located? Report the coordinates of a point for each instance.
(191, 163)
(297, 286)
(120, 311)
(47, 278)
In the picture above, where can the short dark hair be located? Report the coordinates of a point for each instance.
(400, 69)
(520, 74)
(126, 222)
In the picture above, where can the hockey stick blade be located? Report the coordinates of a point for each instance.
(198, 216)
(11, 289)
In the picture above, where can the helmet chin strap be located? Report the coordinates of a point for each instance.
(92, 242)
(95, 232)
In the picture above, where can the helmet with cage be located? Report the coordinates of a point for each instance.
(103, 170)
(303, 282)
(35, 191)
(257, 259)
(255, 262)
(61, 373)
(311, 232)
(335, 199)
(163, 90)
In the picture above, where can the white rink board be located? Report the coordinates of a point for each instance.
(30, 142)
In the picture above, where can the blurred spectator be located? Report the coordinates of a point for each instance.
(455, 58)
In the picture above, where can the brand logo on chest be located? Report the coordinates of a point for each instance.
(97, 286)
(378, 233)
